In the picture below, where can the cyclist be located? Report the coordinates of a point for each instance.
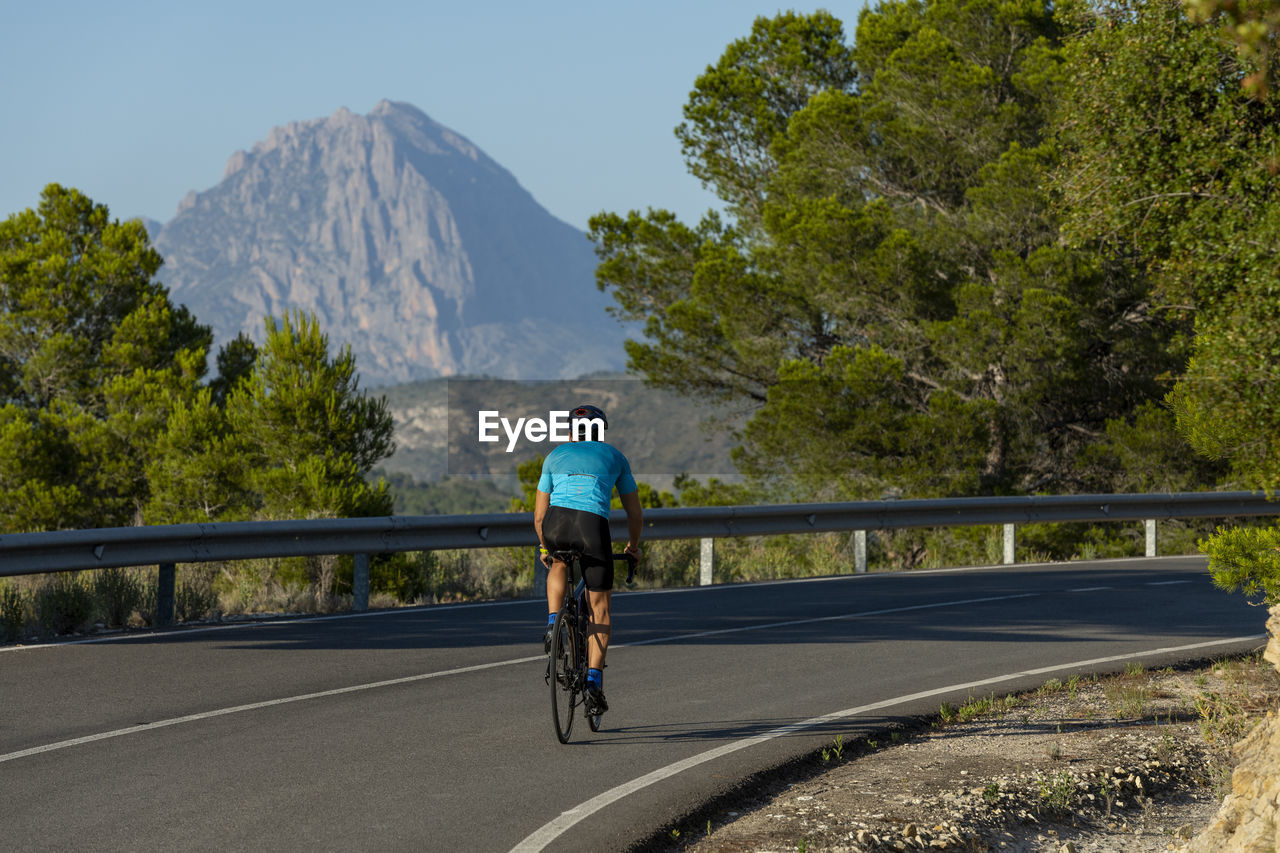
(571, 511)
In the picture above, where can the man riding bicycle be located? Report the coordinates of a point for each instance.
(571, 512)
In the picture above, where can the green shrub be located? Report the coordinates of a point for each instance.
(421, 576)
(195, 597)
(504, 572)
(149, 579)
(670, 562)
(118, 593)
(406, 577)
(1057, 792)
(446, 575)
(64, 603)
(239, 582)
(12, 613)
(1246, 558)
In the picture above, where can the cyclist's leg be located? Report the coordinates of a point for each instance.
(560, 532)
(599, 600)
(598, 572)
(555, 586)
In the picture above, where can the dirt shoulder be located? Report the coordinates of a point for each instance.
(1132, 762)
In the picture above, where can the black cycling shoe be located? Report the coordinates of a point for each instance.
(595, 699)
(548, 637)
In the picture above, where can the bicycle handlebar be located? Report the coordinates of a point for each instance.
(630, 582)
(570, 554)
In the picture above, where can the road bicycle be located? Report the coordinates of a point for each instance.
(567, 660)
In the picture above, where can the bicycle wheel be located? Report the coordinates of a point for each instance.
(564, 675)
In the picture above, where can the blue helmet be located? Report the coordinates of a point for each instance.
(590, 413)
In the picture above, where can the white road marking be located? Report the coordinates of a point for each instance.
(355, 688)
(677, 637)
(1089, 589)
(270, 703)
(1164, 583)
(548, 833)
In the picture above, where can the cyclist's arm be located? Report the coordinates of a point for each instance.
(541, 502)
(635, 520)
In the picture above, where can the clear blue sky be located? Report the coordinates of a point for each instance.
(136, 103)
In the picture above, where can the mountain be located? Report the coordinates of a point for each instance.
(408, 242)
(153, 226)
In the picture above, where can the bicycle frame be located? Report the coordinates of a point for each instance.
(577, 611)
(573, 616)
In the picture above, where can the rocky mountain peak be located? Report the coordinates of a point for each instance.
(406, 240)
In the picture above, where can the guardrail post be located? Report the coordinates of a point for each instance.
(1151, 536)
(167, 583)
(706, 561)
(1009, 544)
(860, 551)
(360, 582)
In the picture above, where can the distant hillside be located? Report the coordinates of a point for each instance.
(449, 496)
(660, 432)
(405, 239)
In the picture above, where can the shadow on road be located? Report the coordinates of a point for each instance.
(1056, 604)
(706, 731)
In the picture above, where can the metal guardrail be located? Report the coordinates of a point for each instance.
(71, 550)
(68, 550)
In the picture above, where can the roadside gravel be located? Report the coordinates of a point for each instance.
(1122, 764)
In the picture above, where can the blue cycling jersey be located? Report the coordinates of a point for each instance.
(583, 474)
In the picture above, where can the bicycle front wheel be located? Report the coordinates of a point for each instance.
(564, 676)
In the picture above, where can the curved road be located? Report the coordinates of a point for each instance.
(430, 728)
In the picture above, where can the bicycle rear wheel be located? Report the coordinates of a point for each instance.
(564, 676)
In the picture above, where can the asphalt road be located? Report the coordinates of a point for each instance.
(430, 729)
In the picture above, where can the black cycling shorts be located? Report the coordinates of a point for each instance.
(586, 533)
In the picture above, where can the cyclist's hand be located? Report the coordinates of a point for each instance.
(546, 560)
(634, 553)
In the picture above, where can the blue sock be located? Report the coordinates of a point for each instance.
(596, 677)
(551, 618)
